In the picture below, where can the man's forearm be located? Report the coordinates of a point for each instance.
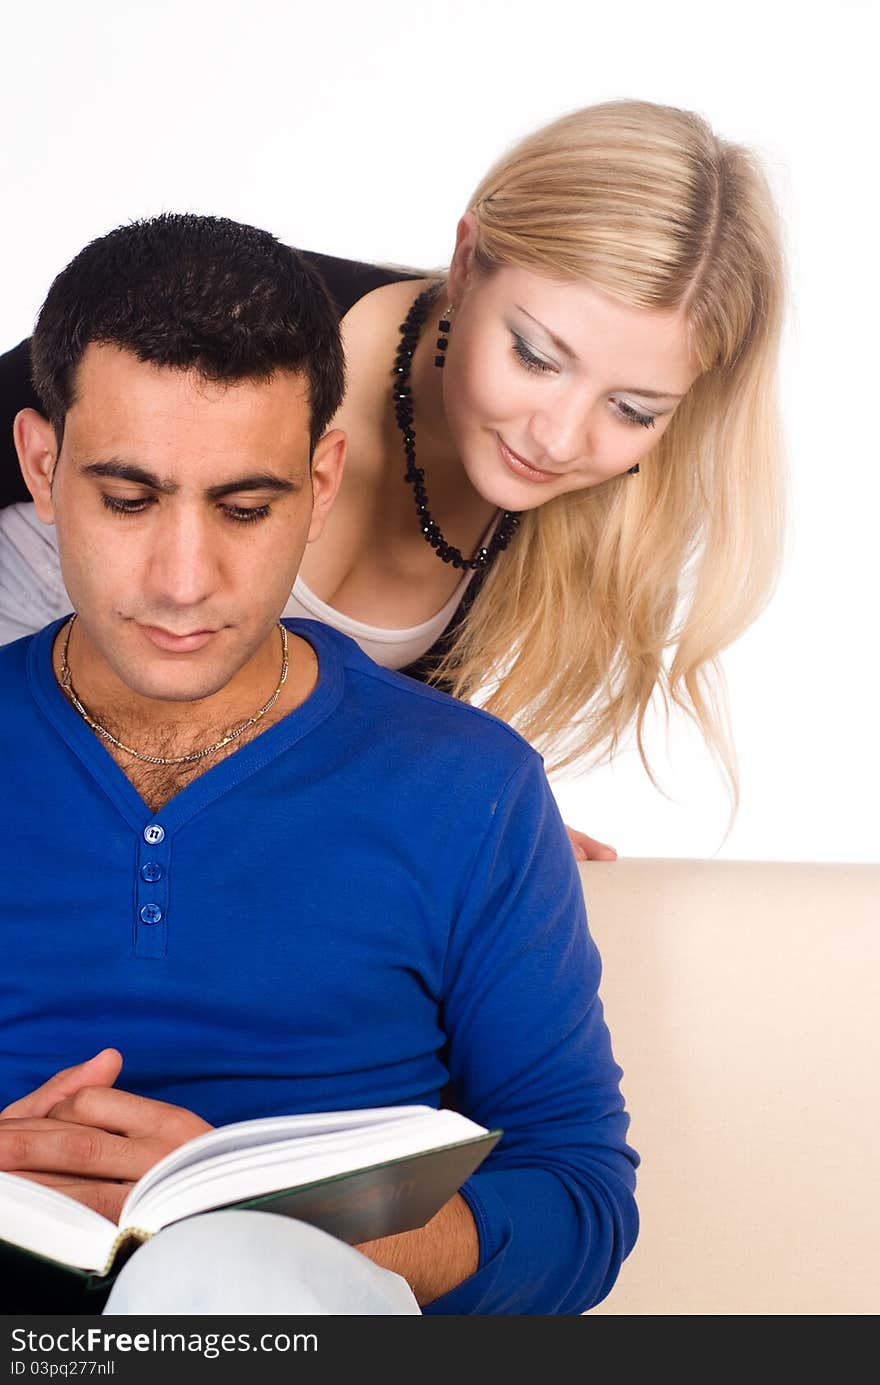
(436, 1257)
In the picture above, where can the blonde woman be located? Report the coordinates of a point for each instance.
(562, 496)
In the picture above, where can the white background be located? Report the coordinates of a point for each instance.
(361, 129)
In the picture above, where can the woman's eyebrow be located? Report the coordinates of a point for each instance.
(573, 356)
(557, 341)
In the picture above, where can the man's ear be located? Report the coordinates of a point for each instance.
(466, 237)
(328, 464)
(37, 449)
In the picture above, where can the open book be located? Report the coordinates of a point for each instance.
(356, 1174)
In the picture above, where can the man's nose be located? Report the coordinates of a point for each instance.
(185, 567)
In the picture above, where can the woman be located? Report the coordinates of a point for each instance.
(563, 487)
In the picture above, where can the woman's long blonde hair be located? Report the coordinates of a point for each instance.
(613, 595)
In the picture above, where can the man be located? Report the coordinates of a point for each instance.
(271, 875)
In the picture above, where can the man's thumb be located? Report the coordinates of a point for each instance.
(100, 1071)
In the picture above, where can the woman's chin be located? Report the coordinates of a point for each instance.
(504, 493)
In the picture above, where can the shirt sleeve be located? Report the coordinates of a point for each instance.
(529, 1052)
(32, 591)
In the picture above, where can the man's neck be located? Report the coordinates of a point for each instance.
(166, 731)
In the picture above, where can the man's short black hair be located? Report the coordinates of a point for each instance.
(197, 293)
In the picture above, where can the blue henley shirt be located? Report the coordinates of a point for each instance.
(373, 902)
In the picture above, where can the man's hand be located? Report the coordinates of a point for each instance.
(92, 1143)
(100, 1071)
(588, 849)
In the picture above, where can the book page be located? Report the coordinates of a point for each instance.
(232, 1140)
(233, 1176)
(50, 1223)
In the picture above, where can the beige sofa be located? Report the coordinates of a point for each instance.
(742, 999)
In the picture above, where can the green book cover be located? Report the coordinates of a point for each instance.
(360, 1204)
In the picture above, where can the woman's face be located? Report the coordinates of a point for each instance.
(550, 387)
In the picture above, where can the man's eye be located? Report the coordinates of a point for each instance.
(241, 514)
(119, 506)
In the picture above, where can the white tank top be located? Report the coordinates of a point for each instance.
(390, 648)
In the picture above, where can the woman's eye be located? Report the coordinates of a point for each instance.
(528, 358)
(119, 506)
(631, 415)
(243, 515)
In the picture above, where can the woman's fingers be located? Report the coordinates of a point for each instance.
(588, 848)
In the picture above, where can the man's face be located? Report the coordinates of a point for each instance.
(183, 509)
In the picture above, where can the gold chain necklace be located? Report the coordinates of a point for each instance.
(68, 688)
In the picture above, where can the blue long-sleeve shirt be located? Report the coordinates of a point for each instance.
(373, 902)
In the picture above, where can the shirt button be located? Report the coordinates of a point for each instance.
(151, 871)
(151, 913)
(154, 834)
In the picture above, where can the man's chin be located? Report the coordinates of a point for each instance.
(165, 690)
(172, 678)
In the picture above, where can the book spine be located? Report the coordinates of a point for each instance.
(124, 1247)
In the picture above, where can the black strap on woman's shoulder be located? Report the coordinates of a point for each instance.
(16, 392)
(351, 280)
(423, 667)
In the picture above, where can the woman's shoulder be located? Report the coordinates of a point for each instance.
(370, 334)
(348, 281)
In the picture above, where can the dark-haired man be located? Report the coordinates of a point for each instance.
(271, 875)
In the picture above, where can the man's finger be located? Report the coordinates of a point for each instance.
(75, 1149)
(123, 1113)
(100, 1071)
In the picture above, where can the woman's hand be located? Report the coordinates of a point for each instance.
(588, 849)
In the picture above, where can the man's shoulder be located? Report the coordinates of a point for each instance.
(409, 709)
(18, 706)
(14, 662)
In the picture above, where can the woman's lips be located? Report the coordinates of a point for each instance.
(521, 468)
(177, 644)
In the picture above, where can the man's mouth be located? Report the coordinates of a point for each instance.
(177, 644)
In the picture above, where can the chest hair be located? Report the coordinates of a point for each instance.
(156, 784)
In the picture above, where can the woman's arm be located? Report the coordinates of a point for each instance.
(32, 591)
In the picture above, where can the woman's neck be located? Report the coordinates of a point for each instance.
(456, 506)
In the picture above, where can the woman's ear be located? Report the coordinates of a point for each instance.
(37, 449)
(461, 266)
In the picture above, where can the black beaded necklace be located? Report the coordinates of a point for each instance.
(410, 331)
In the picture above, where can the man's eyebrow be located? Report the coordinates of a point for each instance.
(572, 355)
(260, 481)
(118, 470)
